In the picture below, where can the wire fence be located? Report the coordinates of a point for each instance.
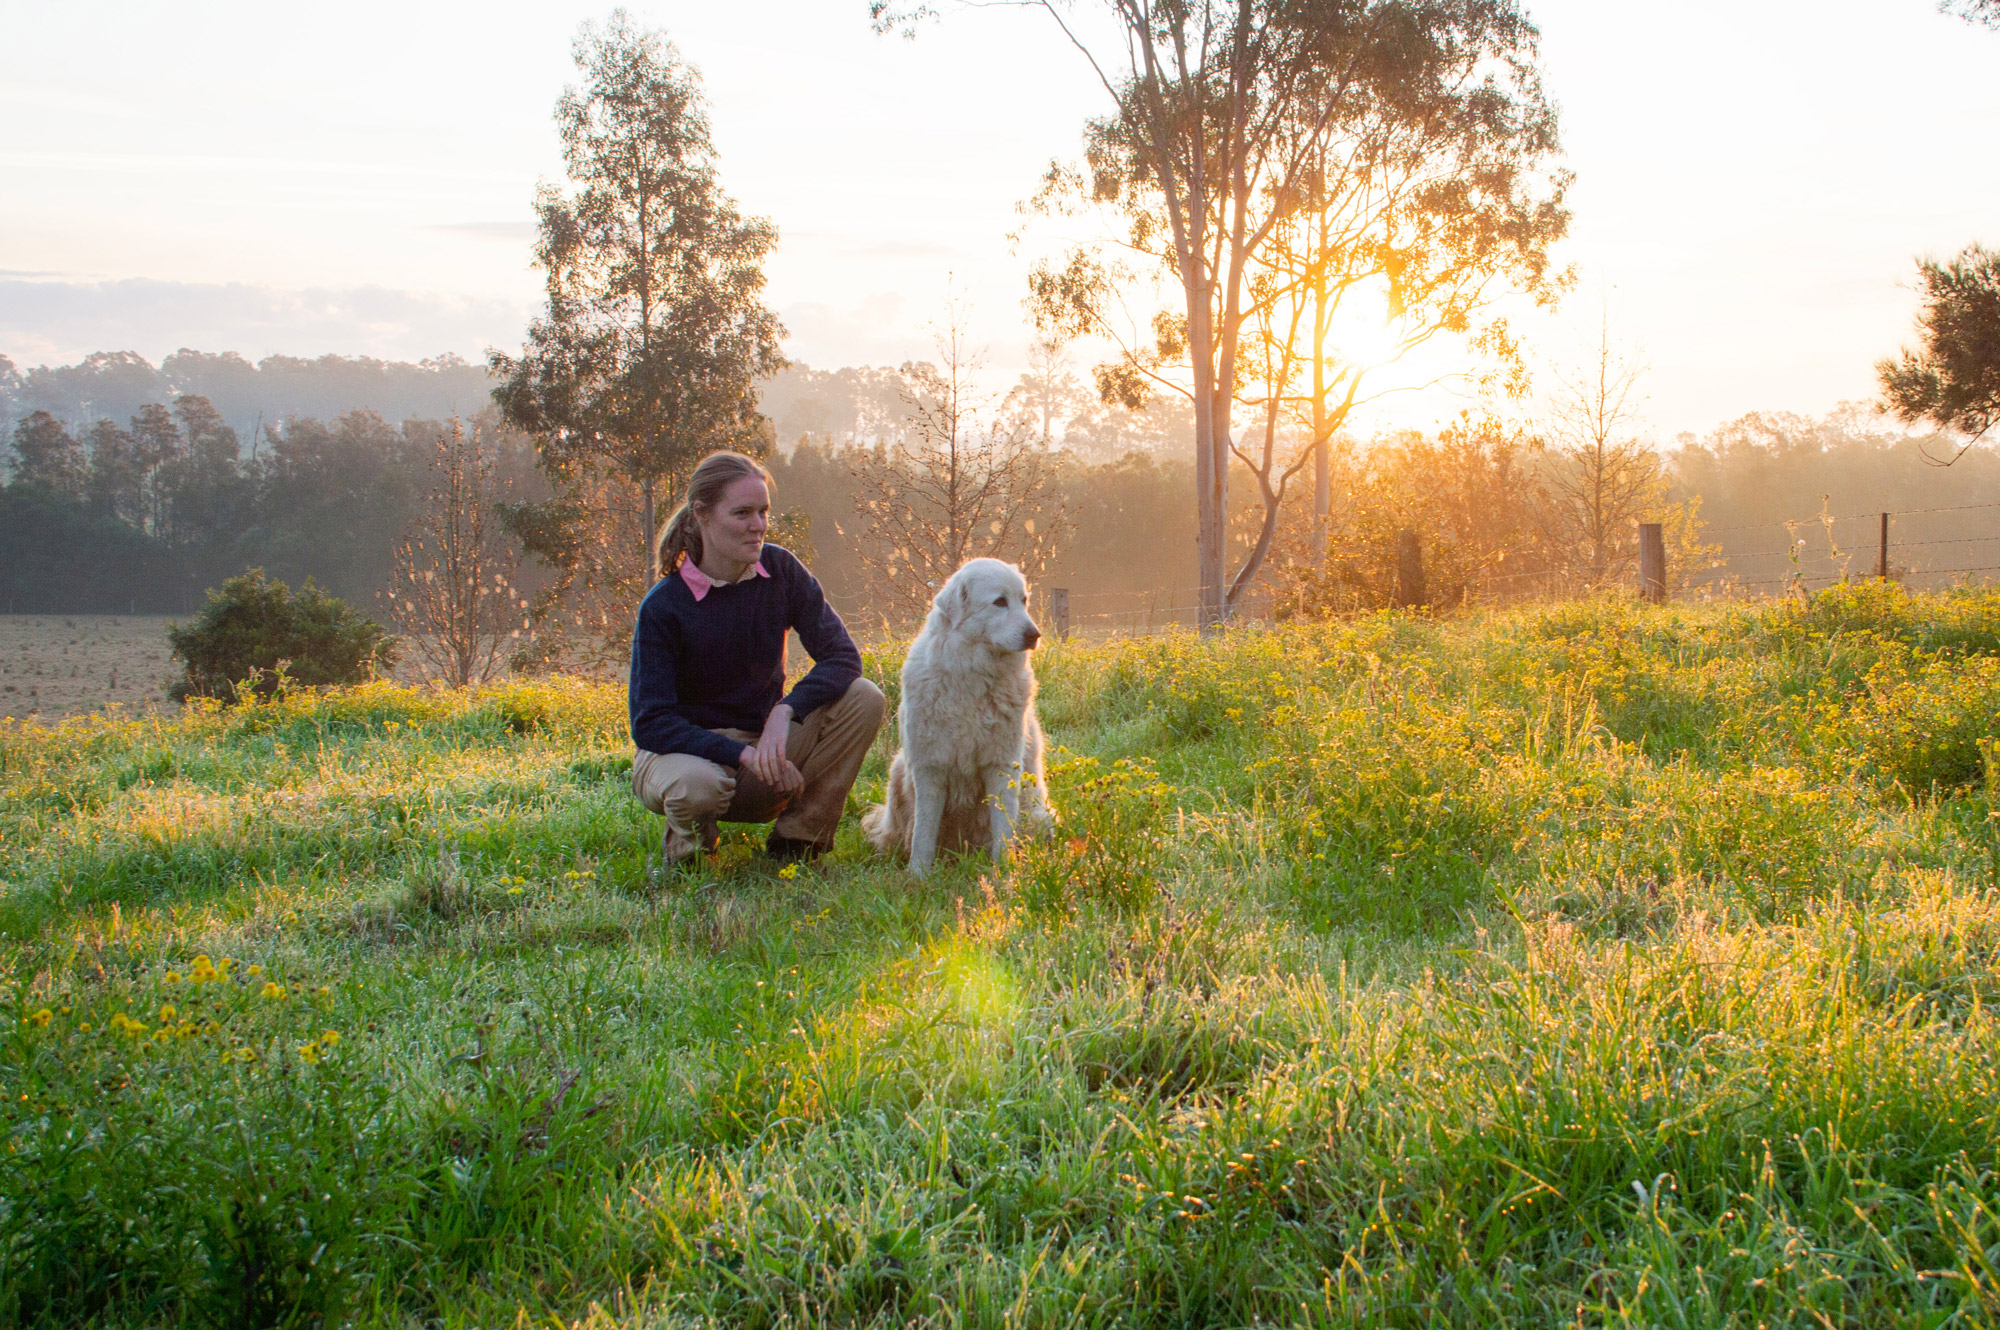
(1797, 554)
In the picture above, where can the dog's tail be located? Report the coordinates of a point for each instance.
(888, 825)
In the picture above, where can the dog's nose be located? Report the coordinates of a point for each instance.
(1029, 637)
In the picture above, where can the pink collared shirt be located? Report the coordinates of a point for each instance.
(700, 583)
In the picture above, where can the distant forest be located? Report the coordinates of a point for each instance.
(134, 488)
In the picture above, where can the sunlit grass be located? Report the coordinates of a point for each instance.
(1594, 963)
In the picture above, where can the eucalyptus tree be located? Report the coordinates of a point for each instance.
(1953, 382)
(1984, 12)
(1226, 118)
(655, 332)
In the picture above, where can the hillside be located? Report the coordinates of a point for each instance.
(1581, 964)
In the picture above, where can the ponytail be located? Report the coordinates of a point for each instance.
(680, 538)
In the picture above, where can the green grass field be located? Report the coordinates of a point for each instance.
(1584, 965)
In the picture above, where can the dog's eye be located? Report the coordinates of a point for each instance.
(1001, 601)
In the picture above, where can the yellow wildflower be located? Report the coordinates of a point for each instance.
(167, 1012)
(273, 990)
(172, 977)
(254, 970)
(43, 1017)
(329, 1037)
(309, 1054)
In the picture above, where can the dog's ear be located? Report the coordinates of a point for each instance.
(950, 602)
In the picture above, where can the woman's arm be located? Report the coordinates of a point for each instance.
(653, 691)
(836, 660)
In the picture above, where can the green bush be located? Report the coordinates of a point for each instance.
(256, 634)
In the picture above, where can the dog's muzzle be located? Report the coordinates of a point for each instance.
(1029, 637)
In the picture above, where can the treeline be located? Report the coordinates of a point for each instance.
(143, 516)
(145, 513)
(115, 385)
(834, 408)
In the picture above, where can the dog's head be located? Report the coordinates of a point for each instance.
(987, 601)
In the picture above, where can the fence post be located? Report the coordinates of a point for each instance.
(1652, 563)
(1882, 551)
(1409, 572)
(1059, 611)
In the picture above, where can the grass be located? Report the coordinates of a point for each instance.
(1597, 964)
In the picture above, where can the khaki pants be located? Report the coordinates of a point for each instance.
(827, 748)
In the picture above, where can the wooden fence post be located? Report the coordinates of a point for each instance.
(1409, 572)
(1059, 611)
(1652, 563)
(1882, 551)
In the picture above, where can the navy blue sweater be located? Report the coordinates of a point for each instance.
(718, 663)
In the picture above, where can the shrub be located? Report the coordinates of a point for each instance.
(256, 633)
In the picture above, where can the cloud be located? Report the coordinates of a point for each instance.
(62, 321)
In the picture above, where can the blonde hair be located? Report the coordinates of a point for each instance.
(681, 536)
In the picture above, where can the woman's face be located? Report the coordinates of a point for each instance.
(734, 527)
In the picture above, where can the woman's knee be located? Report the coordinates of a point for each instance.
(682, 786)
(865, 699)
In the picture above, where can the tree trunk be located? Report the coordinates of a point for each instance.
(1322, 448)
(652, 535)
(1208, 492)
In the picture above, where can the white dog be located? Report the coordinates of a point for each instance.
(970, 769)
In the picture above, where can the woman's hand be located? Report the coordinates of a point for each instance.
(767, 756)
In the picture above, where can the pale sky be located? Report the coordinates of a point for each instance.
(1754, 179)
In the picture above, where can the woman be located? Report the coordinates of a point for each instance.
(718, 738)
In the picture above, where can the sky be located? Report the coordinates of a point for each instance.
(1754, 180)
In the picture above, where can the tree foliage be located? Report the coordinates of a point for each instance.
(1986, 13)
(1424, 120)
(1953, 380)
(647, 354)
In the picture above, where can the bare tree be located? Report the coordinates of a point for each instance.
(970, 480)
(1600, 477)
(452, 590)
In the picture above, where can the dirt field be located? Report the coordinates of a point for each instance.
(58, 665)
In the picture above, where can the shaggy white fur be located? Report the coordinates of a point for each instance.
(970, 769)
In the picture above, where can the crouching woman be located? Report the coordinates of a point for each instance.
(718, 737)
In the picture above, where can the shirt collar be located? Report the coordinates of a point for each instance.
(701, 583)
